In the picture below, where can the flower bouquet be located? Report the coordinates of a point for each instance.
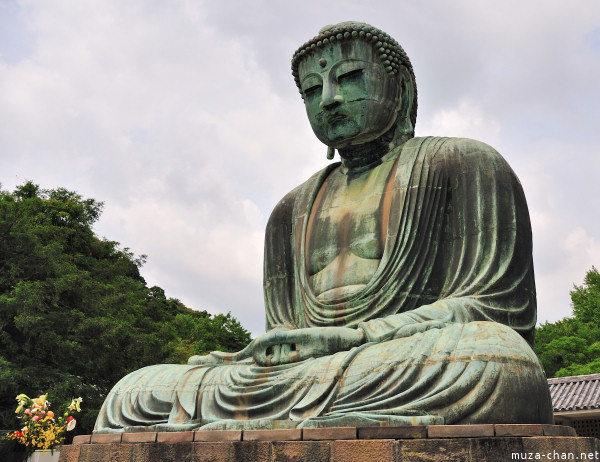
(41, 428)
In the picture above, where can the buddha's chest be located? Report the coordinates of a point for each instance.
(349, 219)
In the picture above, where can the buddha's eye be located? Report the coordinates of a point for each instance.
(312, 85)
(313, 90)
(350, 75)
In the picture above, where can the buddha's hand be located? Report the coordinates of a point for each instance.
(411, 329)
(291, 346)
(220, 357)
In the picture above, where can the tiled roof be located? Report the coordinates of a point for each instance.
(575, 393)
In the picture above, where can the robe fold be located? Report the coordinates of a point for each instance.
(449, 315)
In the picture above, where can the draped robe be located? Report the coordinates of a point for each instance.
(448, 316)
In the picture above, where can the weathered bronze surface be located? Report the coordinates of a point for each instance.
(398, 283)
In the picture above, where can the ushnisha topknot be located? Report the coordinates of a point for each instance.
(391, 54)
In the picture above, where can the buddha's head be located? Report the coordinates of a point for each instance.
(357, 84)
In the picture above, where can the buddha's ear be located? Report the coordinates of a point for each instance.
(407, 91)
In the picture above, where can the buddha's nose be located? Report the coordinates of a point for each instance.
(332, 102)
(330, 97)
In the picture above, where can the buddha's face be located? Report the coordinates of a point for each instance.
(350, 99)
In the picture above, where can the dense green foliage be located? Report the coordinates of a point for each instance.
(571, 346)
(75, 314)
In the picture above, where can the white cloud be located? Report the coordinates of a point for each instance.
(466, 121)
(576, 252)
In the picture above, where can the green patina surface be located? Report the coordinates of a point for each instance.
(398, 283)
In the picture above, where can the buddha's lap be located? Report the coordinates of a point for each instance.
(461, 373)
(456, 344)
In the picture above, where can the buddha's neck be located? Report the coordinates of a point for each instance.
(368, 155)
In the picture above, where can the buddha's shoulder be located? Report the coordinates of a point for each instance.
(283, 211)
(465, 153)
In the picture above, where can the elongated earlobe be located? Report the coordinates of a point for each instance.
(405, 124)
(330, 152)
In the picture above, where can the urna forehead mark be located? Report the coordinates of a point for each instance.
(331, 55)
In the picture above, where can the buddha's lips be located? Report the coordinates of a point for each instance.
(333, 118)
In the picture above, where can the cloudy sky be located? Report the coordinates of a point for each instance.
(182, 116)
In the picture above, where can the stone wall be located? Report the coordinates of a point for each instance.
(488, 443)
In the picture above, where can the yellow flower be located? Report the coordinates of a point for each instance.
(22, 399)
(75, 404)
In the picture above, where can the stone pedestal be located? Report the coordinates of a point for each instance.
(488, 443)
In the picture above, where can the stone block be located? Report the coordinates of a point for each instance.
(559, 430)
(519, 429)
(250, 451)
(104, 438)
(214, 452)
(131, 452)
(175, 437)
(69, 453)
(399, 432)
(218, 435)
(139, 437)
(329, 433)
(291, 434)
(81, 439)
(166, 452)
(460, 431)
(458, 449)
(300, 451)
(363, 451)
(96, 453)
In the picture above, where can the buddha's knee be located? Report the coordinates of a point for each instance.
(496, 342)
(160, 381)
(516, 390)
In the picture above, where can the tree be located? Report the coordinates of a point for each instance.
(571, 346)
(75, 313)
(586, 298)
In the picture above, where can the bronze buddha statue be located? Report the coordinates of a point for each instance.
(398, 283)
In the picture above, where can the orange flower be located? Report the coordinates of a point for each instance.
(50, 415)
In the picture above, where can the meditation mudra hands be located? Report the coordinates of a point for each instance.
(294, 345)
(289, 346)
